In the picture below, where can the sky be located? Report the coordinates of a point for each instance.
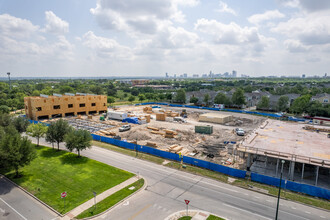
(127, 38)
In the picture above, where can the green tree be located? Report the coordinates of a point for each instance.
(131, 98)
(221, 98)
(36, 130)
(4, 109)
(141, 97)
(78, 140)
(149, 96)
(111, 99)
(193, 99)
(282, 103)
(300, 104)
(238, 97)
(207, 98)
(51, 134)
(181, 96)
(264, 103)
(62, 127)
(16, 151)
(20, 124)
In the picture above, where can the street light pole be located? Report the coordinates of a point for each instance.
(279, 191)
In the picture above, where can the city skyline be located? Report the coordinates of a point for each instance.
(149, 38)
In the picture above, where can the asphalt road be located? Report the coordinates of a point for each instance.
(17, 205)
(168, 188)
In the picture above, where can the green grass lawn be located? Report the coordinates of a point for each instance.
(54, 172)
(185, 218)
(213, 217)
(129, 152)
(111, 200)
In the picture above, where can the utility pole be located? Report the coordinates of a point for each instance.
(279, 190)
(9, 81)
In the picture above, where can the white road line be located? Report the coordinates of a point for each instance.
(268, 200)
(257, 197)
(13, 209)
(246, 211)
(322, 216)
(307, 212)
(293, 207)
(246, 194)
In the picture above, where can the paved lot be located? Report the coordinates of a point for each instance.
(16, 204)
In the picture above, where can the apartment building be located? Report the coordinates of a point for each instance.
(46, 107)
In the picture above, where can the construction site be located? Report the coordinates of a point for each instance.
(213, 136)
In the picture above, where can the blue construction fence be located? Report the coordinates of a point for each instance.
(213, 109)
(38, 122)
(172, 156)
(293, 186)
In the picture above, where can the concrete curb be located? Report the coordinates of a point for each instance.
(121, 201)
(192, 213)
(33, 196)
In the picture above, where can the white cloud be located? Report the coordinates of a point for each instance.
(268, 15)
(310, 29)
(55, 25)
(16, 27)
(295, 46)
(230, 33)
(106, 47)
(138, 16)
(224, 8)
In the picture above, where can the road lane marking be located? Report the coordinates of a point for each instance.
(322, 216)
(293, 207)
(307, 212)
(139, 212)
(246, 211)
(13, 209)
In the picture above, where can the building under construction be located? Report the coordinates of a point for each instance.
(46, 107)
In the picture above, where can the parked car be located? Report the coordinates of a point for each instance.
(124, 128)
(240, 131)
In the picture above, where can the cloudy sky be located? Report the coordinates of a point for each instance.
(150, 37)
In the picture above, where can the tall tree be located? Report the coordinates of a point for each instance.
(61, 128)
(20, 124)
(131, 98)
(16, 151)
(282, 103)
(51, 134)
(181, 96)
(78, 140)
(300, 104)
(141, 97)
(36, 130)
(221, 98)
(238, 97)
(264, 103)
(207, 98)
(193, 99)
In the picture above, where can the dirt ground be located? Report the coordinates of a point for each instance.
(209, 147)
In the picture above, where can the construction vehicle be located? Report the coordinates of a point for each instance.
(184, 114)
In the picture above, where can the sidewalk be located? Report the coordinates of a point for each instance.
(99, 198)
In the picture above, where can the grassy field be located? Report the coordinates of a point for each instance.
(54, 172)
(128, 152)
(309, 200)
(111, 200)
(213, 217)
(185, 218)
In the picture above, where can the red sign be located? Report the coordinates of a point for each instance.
(63, 194)
(187, 201)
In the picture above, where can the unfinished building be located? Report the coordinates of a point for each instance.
(47, 107)
(306, 152)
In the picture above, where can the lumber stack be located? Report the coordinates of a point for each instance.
(147, 109)
(175, 148)
(160, 117)
(316, 129)
(152, 144)
(153, 128)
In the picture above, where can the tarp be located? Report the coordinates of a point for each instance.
(132, 120)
